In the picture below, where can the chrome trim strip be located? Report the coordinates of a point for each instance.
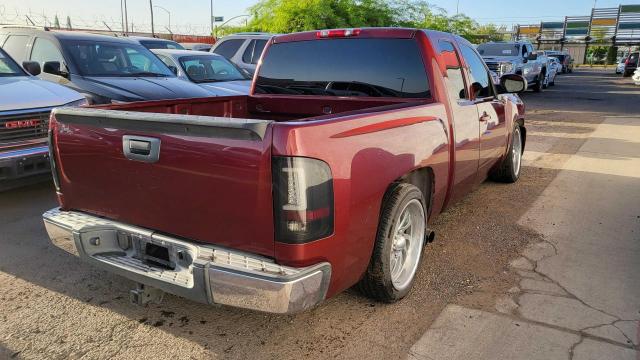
(214, 274)
(13, 154)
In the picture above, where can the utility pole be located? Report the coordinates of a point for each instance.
(457, 7)
(211, 18)
(126, 18)
(153, 34)
(122, 14)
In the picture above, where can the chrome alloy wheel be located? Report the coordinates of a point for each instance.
(408, 240)
(516, 150)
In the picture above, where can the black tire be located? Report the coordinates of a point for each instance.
(626, 73)
(507, 171)
(539, 83)
(376, 282)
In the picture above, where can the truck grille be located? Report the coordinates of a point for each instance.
(20, 127)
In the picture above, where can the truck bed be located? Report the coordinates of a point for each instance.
(269, 107)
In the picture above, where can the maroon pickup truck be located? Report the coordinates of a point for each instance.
(324, 177)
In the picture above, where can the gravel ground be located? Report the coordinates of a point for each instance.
(52, 306)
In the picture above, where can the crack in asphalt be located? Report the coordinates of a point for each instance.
(581, 332)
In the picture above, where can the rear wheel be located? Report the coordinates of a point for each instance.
(509, 170)
(399, 244)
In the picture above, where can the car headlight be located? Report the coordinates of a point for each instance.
(506, 68)
(80, 102)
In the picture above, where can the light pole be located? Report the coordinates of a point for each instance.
(151, 9)
(211, 18)
(168, 13)
(457, 7)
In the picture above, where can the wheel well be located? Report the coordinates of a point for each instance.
(423, 179)
(523, 131)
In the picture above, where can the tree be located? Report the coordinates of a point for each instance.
(285, 16)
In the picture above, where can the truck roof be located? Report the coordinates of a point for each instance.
(378, 32)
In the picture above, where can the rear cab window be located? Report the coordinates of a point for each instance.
(364, 67)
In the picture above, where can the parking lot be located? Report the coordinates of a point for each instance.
(54, 306)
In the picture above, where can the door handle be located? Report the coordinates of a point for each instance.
(141, 148)
(485, 117)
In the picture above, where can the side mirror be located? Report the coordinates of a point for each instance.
(532, 57)
(53, 67)
(173, 69)
(32, 67)
(513, 83)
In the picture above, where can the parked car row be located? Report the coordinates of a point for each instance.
(629, 64)
(41, 69)
(539, 68)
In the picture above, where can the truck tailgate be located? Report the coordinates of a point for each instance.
(207, 179)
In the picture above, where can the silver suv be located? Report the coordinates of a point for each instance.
(242, 49)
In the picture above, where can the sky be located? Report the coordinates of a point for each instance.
(192, 16)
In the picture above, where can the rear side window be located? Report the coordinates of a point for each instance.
(455, 79)
(481, 85)
(345, 67)
(253, 51)
(16, 46)
(228, 48)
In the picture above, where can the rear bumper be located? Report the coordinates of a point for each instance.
(201, 273)
(15, 164)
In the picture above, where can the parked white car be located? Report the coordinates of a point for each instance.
(636, 77)
(555, 68)
(620, 67)
(211, 71)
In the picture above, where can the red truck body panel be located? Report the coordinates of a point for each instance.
(219, 190)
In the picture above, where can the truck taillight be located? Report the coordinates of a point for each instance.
(303, 199)
(337, 33)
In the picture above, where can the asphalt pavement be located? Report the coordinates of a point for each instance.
(547, 268)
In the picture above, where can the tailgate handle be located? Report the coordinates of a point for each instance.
(141, 148)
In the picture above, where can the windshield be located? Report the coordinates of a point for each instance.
(209, 68)
(8, 67)
(345, 67)
(103, 58)
(499, 49)
(155, 44)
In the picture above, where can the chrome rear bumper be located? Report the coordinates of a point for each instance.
(202, 273)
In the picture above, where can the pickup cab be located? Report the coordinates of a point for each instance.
(325, 176)
(516, 57)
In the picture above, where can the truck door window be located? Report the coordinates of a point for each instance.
(480, 80)
(455, 79)
(16, 46)
(345, 67)
(44, 50)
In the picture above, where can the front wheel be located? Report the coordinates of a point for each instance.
(509, 170)
(398, 247)
(540, 83)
